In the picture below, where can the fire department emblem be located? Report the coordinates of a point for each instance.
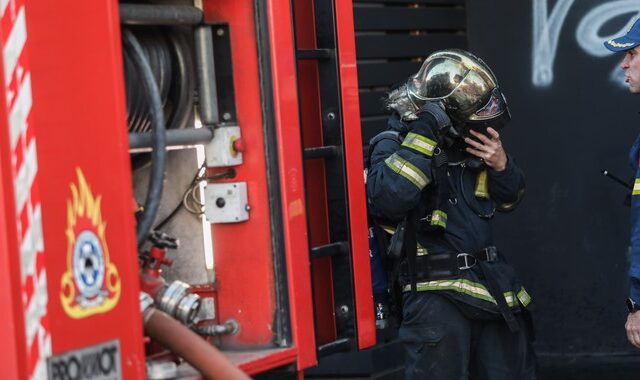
(91, 284)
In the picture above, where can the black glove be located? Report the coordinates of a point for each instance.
(431, 120)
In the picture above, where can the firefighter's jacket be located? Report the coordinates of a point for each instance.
(634, 269)
(398, 180)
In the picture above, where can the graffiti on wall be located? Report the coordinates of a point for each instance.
(547, 28)
(546, 32)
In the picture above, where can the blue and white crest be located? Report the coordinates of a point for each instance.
(88, 267)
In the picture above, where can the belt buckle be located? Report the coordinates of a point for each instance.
(465, 257)
(491, 253)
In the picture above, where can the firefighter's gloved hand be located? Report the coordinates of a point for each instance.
(424, 132)
(432, 119)
(436, 109)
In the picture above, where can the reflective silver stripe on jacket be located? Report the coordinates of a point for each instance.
(407, 170)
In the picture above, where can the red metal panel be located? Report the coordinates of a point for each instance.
(79, 115)
(243, 257)
(354, 168)
(242, 251)
(30, 288)
(13, 352)
(291, 177)
(259, 361)
(311, 123)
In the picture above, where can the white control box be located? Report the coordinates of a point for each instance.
(223, 150)
(226, 202)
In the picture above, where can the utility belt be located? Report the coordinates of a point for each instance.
(448, 265)
(445, 265)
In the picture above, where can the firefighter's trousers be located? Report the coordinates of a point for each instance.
(447, 341)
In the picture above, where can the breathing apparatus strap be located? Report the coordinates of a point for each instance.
(411, 247)
(494, 289)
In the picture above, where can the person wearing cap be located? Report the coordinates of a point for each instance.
(629, 44)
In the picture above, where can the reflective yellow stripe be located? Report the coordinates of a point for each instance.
(636, 187)
(388, 229)
(439, 218)
(524, 297)
(469, 288)
(407, 170)
(482, 190)
(420, 143)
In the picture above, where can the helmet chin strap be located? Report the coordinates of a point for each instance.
(454, 133)
(455, 148)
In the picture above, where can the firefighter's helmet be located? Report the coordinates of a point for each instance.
(465, 85)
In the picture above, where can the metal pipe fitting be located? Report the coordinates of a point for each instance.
(142, 142)
(188, 307)
(146, 302)
(205, 67)
(176, 300)
(230, 327)
(168, 298)
(161, 370)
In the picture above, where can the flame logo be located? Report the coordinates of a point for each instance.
(91, 284)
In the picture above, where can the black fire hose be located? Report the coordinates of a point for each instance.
(186, 86)
(170, 56)
(159, 154)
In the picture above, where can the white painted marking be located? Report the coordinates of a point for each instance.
(546, 32)
(588, 31)
(44, 342)
(15, 44)
(28, 254)
(591, 40)
(25, 176)
(3, 6)
(32, 244)
(20, 111)
(37, 308)
(617, 76)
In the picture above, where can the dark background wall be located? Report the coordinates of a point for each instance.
(569, 237)
(392, 40)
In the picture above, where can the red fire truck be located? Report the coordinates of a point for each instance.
(181, 189)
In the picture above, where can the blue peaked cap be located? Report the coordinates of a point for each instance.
(626, 42)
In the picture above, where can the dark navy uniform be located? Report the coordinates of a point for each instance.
(452, 326)
(634, 269)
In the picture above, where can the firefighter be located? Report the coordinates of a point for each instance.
(435, 179)
(630, 45)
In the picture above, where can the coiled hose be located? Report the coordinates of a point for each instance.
(168, 52)
(163, 62)
(159, 155)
